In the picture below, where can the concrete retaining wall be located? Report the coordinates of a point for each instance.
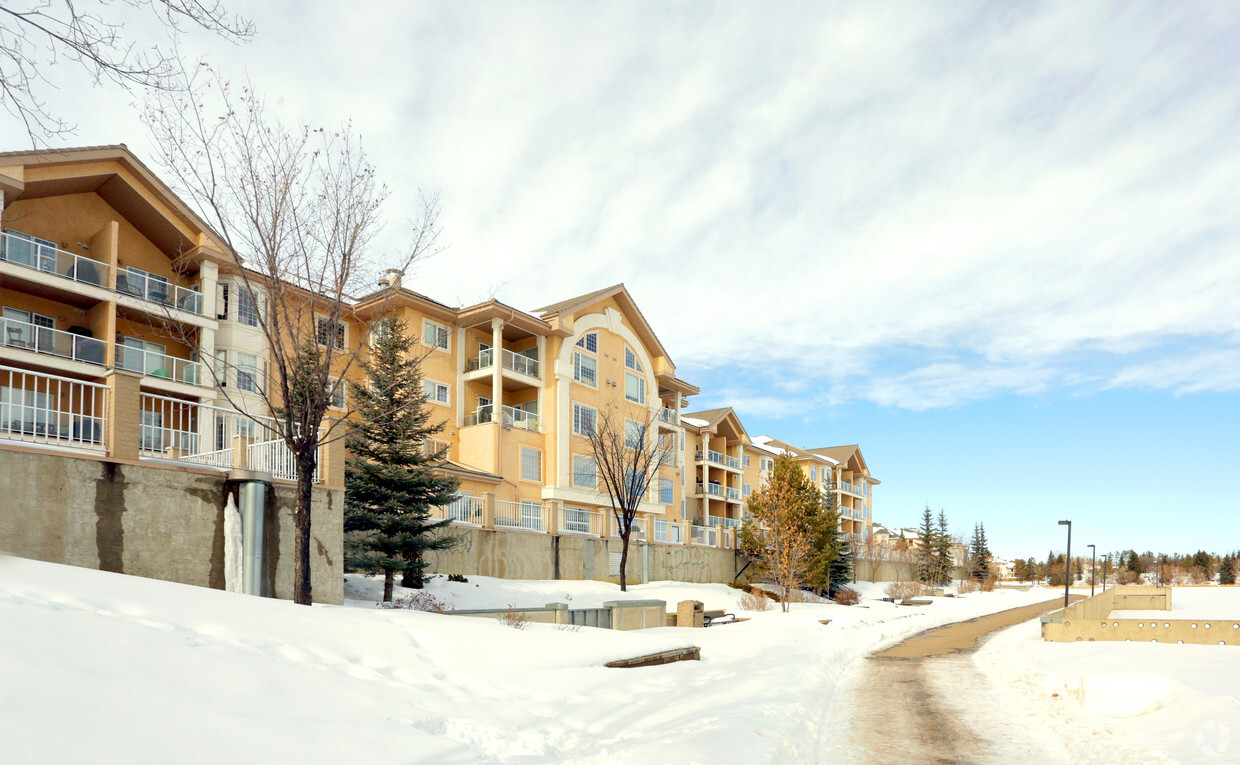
(161, 522)
(1093, 619)
(524, 555)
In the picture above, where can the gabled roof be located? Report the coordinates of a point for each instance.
(580, 300)
(775, 446)
(709, 416)
(116, 191)
(458, 468)
(842, 454)
(713, 417)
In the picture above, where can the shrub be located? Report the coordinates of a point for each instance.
(847, 597)
(418, 601)
(967, 586)
(514, 618)
(754, 600)
(903, 590)
(988, 584)
(457, 578)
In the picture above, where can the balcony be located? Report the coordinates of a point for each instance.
(734, 463)
(463, 510)
(713, 489)
(32, 253)
(512, 417)
(520, 364)
(158, 365)
(706, 536)
(52, 342)
(667, 458)
(668, 416)
(155, 289)
(484, 360)
(727, 523)
(733, 493)
(51, 410)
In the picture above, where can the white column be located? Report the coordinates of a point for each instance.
(460, 377)
(497, 386)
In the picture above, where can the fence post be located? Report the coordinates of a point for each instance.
(124, 405)
(239, 454)
(552, 518)
(488, 510)
(561, 612)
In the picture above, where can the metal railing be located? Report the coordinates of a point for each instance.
(733, 493)
(669, 532)
(576, 520)
(669, 416)
(167, 427)
(717, 520)
(667, 458)
(222, 458)
(48, 409)
(25, 252)
(463, 510)
(433, 446)
(54, 342)
(525, 515)
(734, 462)
(155, 289)
(520, 363)
(511, 416)
(276, 458)
(715, 489)
(705, 535)
(154, 364)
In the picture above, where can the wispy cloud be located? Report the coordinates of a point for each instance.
(916, 205)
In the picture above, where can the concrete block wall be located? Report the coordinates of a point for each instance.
(153, 521)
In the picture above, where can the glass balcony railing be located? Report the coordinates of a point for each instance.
(34, 253)
(733, 493)
(156, 289)
(669, 416)
(160, 365)
(54, 342)
(520, 363)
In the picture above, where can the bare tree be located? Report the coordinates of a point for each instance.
(37, 34)
(628, 456)
(298, 210)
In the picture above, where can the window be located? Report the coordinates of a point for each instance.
(221, 369)
(434, 335)
(634, 388)
(682, 440)
(246, 427)
(630, 360)
(326, 331)
(634, 438)
(585, 472)
(745, 460)
(589, 341)
(435, 391)
(24, 329)
(745, 489)
(29, 250)
(338, 394)
(25, 411)
(813, 473)
(584, 419)
(585, 368)
(531, 464)
(221, 432)
(247, 313)
(247, 372)
(150, 430)
(223, 312)
(577, 519)
(665, 491)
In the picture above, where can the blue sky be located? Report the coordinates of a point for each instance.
(994, 243)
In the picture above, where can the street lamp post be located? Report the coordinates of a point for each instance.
(1067, 563)
(1106, 560)
(1093, 556)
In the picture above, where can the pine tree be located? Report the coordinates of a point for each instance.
(943, 551)
(1031, 568)
(390, 485)
(926, 546)
(980, 553)
(780, 531)
(1227, 570)
(831, 556)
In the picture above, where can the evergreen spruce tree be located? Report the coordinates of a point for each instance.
(390, 485)
(926, 546)
(979, 552)
(824, 547)
(943, 551)
(1227, 570)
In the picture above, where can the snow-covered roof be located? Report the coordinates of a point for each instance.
(695, 422)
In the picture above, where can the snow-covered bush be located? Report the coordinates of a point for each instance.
(847, 597)
(418, 601)
(754, 600)
(903, 590)
(966, 586)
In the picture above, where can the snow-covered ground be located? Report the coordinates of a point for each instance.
(1195, 603)
(98, 667)
(1176, 701)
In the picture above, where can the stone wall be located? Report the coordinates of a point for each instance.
(161, 522)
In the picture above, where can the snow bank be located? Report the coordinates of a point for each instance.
(1125, 702)
(1221, 603)
(99, 667)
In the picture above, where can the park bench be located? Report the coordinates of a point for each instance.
(717, 617)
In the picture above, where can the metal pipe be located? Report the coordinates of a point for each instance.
(252, 489)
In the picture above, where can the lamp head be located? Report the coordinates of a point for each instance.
(1090, 546)
(1065, 523)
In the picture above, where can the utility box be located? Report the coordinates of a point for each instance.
(690, 613)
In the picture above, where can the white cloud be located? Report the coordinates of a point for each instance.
(843, 191)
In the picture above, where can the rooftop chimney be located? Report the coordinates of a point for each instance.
(391, 278)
